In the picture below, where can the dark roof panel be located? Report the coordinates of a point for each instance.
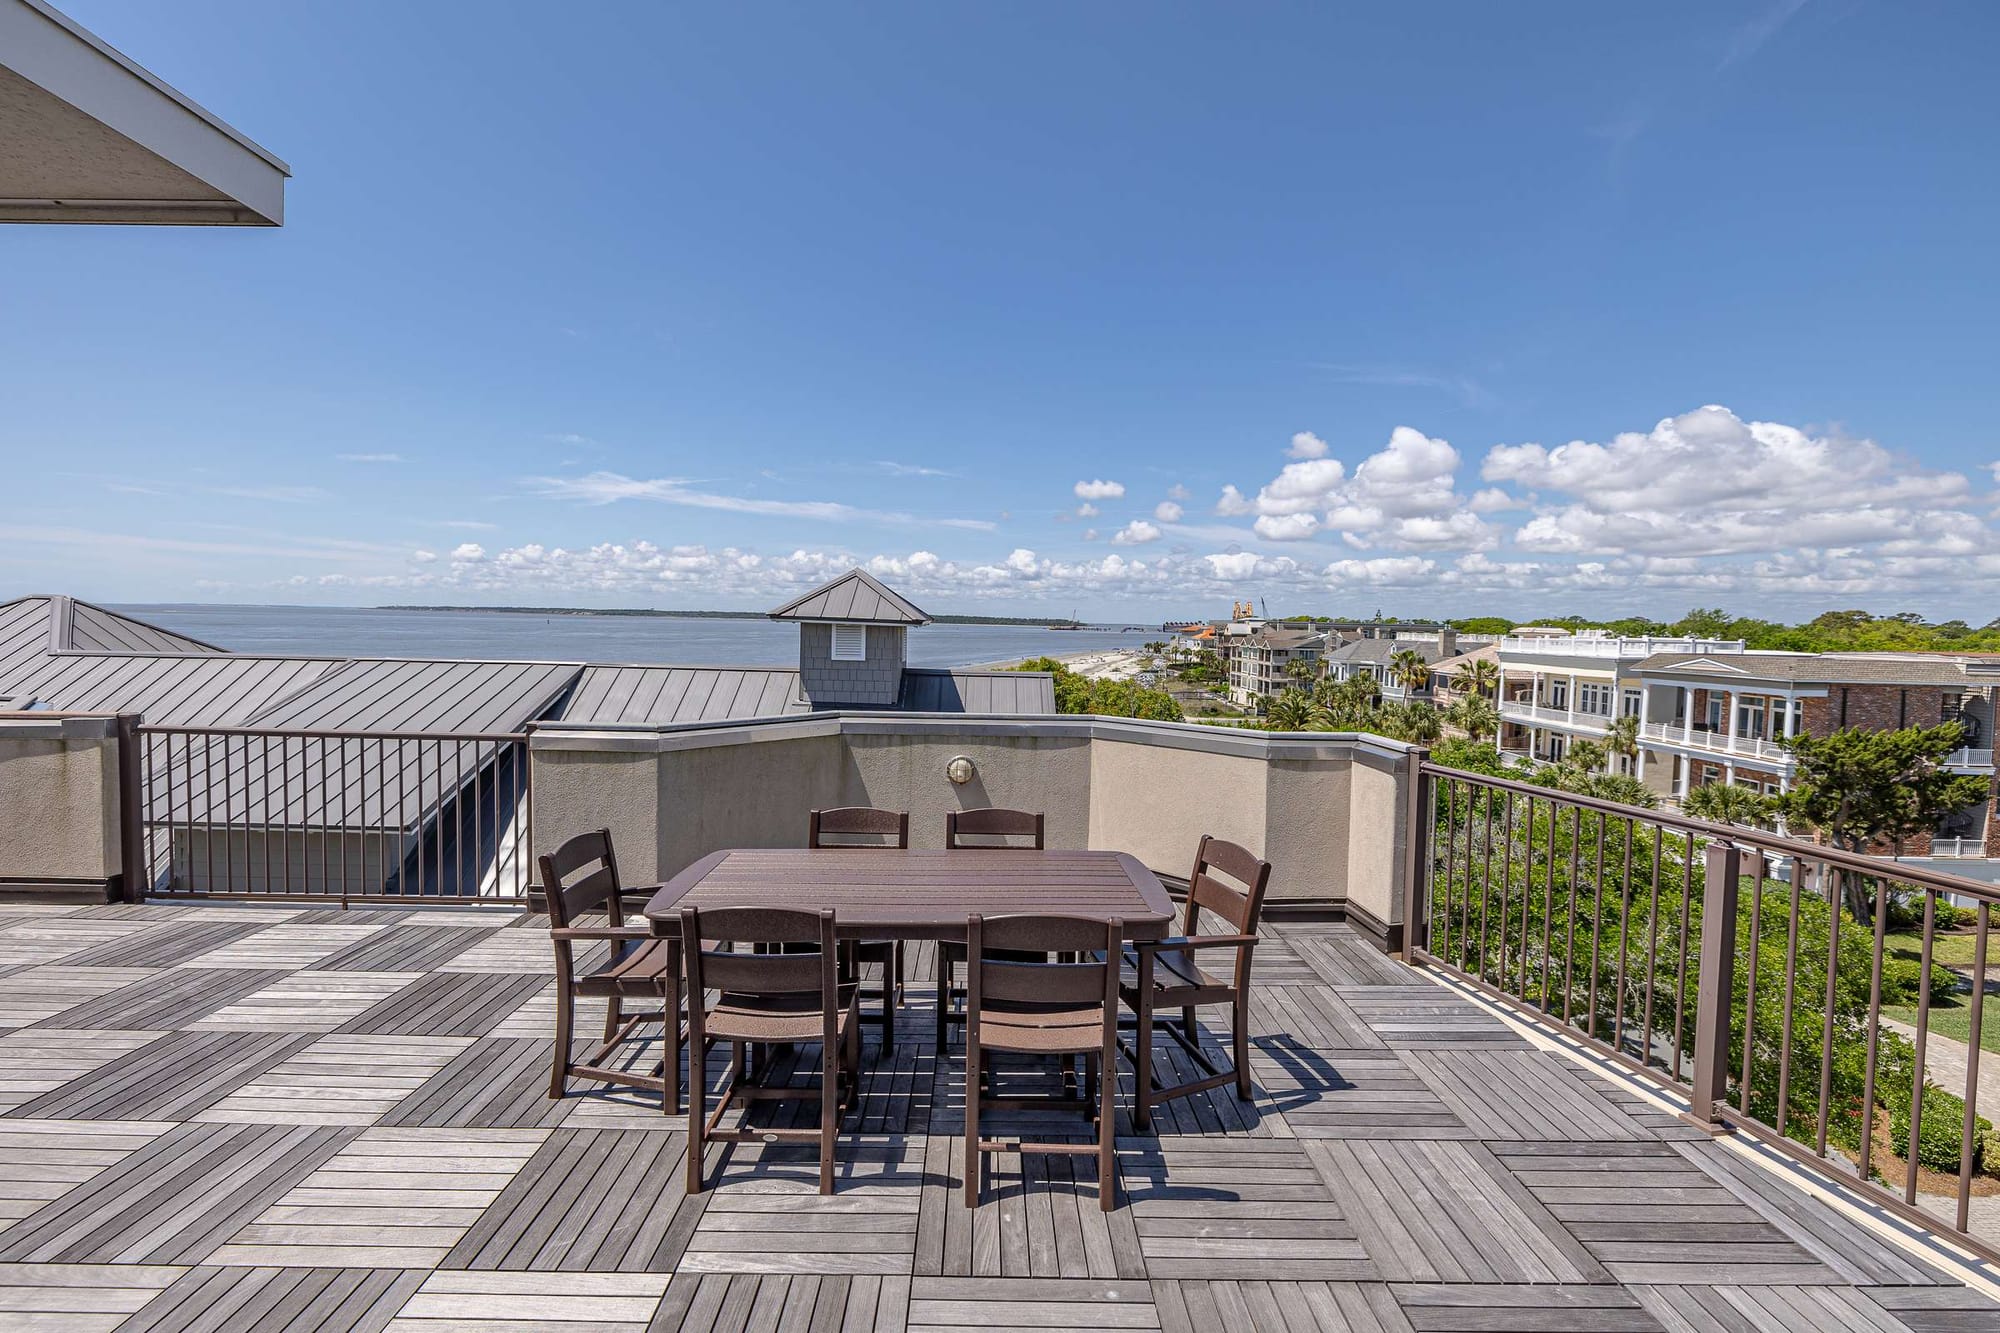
(1009, 693)
(855, 597)
(417, 696)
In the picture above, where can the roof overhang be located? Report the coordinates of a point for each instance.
(86, 135)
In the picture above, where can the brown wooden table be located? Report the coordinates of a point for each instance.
(887, 893)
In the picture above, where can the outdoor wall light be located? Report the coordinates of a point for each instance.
(960, 769)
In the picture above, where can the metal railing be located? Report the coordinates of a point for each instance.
(1811, 997)
(344, 816)
(1515, 710)
(1716, 742)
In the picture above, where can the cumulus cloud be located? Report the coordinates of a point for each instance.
(1167, 511)
(1305, 444)
(1286, 527)
(467, 552)
(1087, 510)
(1136, 533)
(1100, 490)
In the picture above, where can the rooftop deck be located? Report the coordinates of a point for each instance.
(238, 1117)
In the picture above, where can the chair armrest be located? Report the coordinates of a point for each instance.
(634, 933)
(1189, 943)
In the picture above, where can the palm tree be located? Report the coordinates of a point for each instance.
(1481, 675)
(1407, 665)
(1416, 722)
(1623, 737)
(1474, 715)
(1292, 710)
(1727, 803)
(1302, 669)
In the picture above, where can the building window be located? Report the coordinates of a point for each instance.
(1750, 718)
(1558, 694)
(1629, 705)
(850, 643)
(1593, 699)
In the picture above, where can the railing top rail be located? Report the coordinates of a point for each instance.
(1901, 872)
(274, 733)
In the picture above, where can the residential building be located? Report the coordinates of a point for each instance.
(1374, 658)
(1708, 718)
(1556, 689)
(1262, 665)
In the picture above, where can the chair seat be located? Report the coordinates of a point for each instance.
(641, 972)
(1177, 980)
(1042, 1031)
(875, 951)
(773, 1018)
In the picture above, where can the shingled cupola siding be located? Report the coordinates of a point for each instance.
(852, 646)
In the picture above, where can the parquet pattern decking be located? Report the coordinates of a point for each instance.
(259, 1118)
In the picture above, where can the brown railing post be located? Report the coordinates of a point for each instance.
(1416, 854)
(134, 872)
(1715, 973)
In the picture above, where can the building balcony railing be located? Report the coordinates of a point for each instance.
(1969, 760)
(1958, 847)
(1542, 715)
(1614, 647)
(1694, 740)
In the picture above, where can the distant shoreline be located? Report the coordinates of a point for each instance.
(731, 615)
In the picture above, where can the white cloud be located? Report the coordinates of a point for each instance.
(1087, 511)
(1100, 490)
(1286, 527)
(1167, 511)
(423, 557)
(602, 488)
(1136, 533)
(1183, 494)
(1305, 444)
(469, 552)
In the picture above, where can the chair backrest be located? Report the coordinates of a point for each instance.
(858, 822)
(1240, 903)
(775, 969)
(580, 877)
(997, 974)
(991, 823)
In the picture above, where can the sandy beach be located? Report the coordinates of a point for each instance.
(1104, 664)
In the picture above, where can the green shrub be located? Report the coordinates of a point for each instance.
(1950, 916)
(1941, 1133)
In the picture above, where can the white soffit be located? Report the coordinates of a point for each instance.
(86, 135)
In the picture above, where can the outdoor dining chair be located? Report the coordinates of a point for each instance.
(864, 826)
(579, 879)
(964, 830)
(770, 998)
(1064, 1009)
(1163, 975)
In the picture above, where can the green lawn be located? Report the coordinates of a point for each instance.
(1954, 1020)
(1953, 950)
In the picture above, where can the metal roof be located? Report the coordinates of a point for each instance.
(1382, 651)
(1023, 693)
(660, 694)
(855, 597)
(410, 695)
(169, 690)
(89, 628)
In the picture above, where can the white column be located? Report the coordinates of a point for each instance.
(1687, 713)
(1684, 777)
(1729, 721)
(1729, 776)
(1645, 699)
(1569, 700)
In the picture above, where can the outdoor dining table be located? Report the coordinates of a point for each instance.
(880, 893)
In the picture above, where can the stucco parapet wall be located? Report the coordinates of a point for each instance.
(1377, 751)
(57, 726)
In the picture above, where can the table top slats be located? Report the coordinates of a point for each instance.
(886, 892)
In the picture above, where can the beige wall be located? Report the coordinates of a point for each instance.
(58, 799)
(1324, 811)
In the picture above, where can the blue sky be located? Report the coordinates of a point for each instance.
(1128, 308)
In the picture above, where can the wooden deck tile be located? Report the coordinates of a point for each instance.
(166, 945)
(1199, 1305)
(1427, 1017)
(1350, 1095)
(40, 995)
(285, 947)
(42, 1160)
(1259, 1211)
(495, 1083)
(389, 1199)
(77, 1298)
(32, 1063)
(1700, 1309)
(868, 1225)
(589, 1200)
(941, 1303)
(173, 1200)
(858, 1303)
(34, 940)
(157, 1001)
(277, 1300)
(444, 1004)
(169, 1078)
(338, 1080)
(457, 1301)
(1522, 1095)
(309, 1001)
(406, 948)
(1453, 1307)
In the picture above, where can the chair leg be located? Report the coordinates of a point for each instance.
(829, 1111)
(891, 967)
(614, 1011)
(559, 1079)
(974, 1160)
(1240, 1042)
(1107, 1128)
(1142, 1047)
(670, 1062)
(697, 1108)
(944, 971)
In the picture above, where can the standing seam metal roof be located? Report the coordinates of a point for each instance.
(857, 597)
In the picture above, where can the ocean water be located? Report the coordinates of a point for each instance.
(681, 640)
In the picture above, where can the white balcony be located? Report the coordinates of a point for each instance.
(1958, 847)
(1751, 748)
(1969, 760)
(1537, 715)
